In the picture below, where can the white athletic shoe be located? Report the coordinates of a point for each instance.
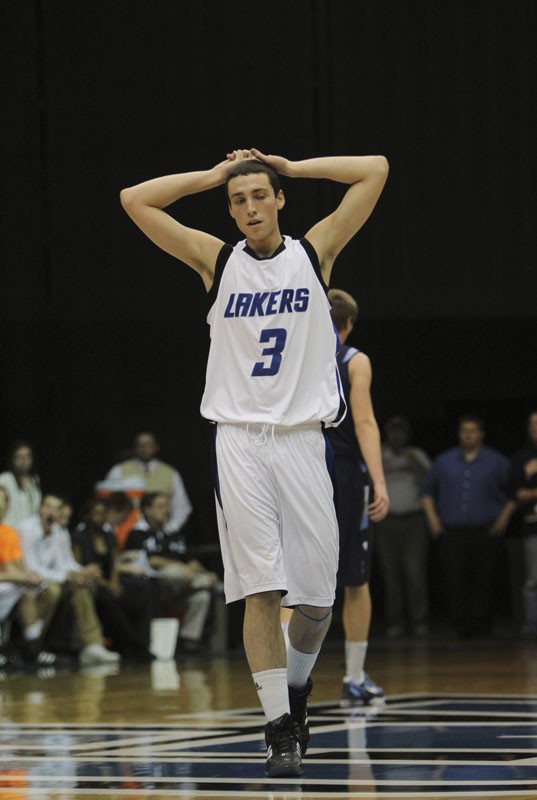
(97, 654)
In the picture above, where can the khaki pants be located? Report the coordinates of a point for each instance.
(80, 597)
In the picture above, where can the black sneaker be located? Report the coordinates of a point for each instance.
(298, 700)
(282, 736)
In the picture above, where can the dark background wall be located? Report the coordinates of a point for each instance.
(103, 335)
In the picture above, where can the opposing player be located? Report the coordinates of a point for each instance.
(271, 388)
(357, 465)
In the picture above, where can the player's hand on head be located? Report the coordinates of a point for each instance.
(278, 163)
(239, 155)
(230, 160)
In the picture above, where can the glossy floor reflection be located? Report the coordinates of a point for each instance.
(458, 722)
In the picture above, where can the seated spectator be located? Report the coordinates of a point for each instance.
(22, 484)
(22, 595)
(121, 515)
(158, 477)
(125, 607)
(64, 516)
(47, 552)
(150, 550)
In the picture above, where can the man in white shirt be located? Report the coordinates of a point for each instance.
(157, 477)
(47, 552)
(402, 540)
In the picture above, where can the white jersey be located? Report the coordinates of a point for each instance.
(273, 344)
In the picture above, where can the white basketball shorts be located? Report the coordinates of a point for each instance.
(275, 510)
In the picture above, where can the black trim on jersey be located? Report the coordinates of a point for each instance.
(279, 249)
(221, 261)
(314, 258)
(227, 249)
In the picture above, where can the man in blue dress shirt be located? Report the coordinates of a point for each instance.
(467, 508)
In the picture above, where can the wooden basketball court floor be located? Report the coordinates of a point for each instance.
(460, 721)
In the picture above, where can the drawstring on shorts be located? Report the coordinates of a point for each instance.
(261, 438)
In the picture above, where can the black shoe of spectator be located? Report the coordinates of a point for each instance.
(34, 655)
(190, 647)
(140, 656)
(10, 662)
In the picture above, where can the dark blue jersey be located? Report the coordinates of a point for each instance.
(343, 438)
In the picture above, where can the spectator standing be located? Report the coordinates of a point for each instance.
(158, 477)
(401, 540)
(47, 551)
(465, 502)
(21, 483)
(523, 492)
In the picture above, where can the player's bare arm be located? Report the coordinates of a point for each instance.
(366, 176)
(145, 204)
(367, 432)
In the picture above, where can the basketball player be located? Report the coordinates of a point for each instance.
(357, 452)
(271, 388)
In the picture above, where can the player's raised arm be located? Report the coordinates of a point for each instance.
(145, 204)
(366, 176)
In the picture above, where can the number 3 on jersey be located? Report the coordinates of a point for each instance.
(271, 368)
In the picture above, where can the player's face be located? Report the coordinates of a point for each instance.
(254, 206)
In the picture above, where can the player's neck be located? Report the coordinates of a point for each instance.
(265, 248)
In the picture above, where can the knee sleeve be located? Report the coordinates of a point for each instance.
(314, 614)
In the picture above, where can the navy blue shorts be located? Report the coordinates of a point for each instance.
(351, 486)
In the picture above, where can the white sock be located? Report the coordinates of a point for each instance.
(299, 666)
(355, 653)
(273, 694)
(33, 631)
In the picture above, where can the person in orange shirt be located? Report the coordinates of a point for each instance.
(22, 595)
(121, 515)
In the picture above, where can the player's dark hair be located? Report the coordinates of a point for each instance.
(252, 167)
(343, 306)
